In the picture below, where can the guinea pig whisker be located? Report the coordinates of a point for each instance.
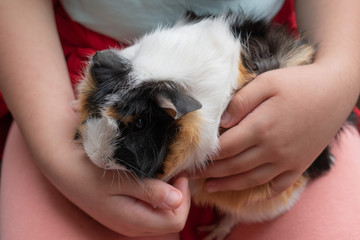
(113, 177)
(104, 173)
(119, 177)
(130, 166)
(127, 176)
(134, 179)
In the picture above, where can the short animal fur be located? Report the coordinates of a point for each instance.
(154, 108)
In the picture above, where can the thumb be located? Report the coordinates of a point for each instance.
(245, 101)
(160, 194)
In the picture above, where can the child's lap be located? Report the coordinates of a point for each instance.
(31, 208)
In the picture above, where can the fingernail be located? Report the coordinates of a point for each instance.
(172, 199)
(225, 119)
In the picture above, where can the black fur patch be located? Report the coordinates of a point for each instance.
(143, 149)
(321, 165)
(192, 17)
(144, 141)
(323, 162)
(265, 44)
(110, 73)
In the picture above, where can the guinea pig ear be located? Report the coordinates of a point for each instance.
(176, 103)
(109, 67)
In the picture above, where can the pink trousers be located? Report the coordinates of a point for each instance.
(31, 208)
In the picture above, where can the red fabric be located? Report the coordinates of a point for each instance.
(286, 16)
(3, 108)
(5, 122)
(357, 113)
(78, 42)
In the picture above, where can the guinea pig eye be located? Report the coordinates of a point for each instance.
(139, 123)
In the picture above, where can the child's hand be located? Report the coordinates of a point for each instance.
(279, 124)
(118, 201)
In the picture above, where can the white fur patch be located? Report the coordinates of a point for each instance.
(99, 138)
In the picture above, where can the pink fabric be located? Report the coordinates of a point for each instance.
(31, 208)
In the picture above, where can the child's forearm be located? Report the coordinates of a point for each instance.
(34, 78)
(333, 25)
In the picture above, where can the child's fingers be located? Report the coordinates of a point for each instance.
(152, 191)
(246, 100)
(143, 208)
(242, 163)
(238, 182)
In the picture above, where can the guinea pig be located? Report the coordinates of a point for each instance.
(153, 109)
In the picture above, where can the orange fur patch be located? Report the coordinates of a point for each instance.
(258, 198)
(244, 76)
(300, 56)
(85, 90)
(186, 140)
(111, 112)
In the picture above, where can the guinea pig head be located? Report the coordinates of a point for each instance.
(132, 124)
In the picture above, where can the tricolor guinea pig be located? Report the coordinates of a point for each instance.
(154, 108)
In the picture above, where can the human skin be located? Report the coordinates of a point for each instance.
(37, 89)
(282, 120)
